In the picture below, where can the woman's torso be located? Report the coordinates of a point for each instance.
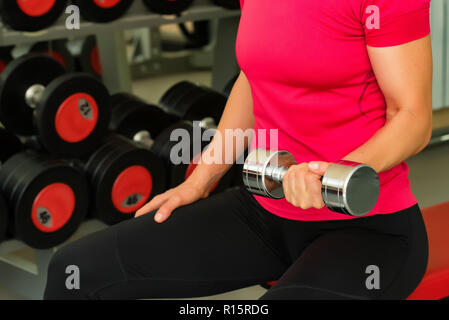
(312, 80)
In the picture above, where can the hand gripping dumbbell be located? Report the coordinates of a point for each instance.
(69, 112)
(347, 187)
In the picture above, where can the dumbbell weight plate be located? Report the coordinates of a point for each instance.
(3, 218)
(49, 198)
(167, 6)
(103, 10)
(57, 50)
(210, 104)
(31, 15)
(10, 145)
(124, 177)
(181, 106)
(191, 102)
(90, 58)
(15, 114)
(5, 57)
(131, 115)
(73, 114)
(174, 94)
(228, 4)
(119, 98)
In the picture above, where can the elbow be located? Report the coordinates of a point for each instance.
(426, 136)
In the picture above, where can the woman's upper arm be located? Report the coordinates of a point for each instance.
(404, 74)
(399, 47)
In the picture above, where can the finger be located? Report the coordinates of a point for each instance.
(319, 167)
(302, 189)
(287, 187)
(293, 187)
(314, 187)
(154, 204)
(167, 208)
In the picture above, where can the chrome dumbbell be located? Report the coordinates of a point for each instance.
(347, 187)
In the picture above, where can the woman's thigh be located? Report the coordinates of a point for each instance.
(204, 248)
(353, 264)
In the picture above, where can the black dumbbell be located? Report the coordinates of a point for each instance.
(168, 6)
(228, 4)
(31, 15)
(69, 112)
(89, 57)
(56, 49)
(10, 145)
(132, 116)
(124, 176)
(347, 187)
(102, 10)
(192, 102)
(3, 218)
(5, 57)
(47, 197)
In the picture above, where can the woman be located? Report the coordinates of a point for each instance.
(339, 80)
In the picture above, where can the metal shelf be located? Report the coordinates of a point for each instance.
(137, 17)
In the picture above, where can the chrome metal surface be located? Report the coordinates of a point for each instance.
(34, 94)
(350, 188)
(263, 172)
(144, 137)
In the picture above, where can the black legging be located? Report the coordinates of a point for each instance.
(229, 241)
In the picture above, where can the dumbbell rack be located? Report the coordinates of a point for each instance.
(116, 74)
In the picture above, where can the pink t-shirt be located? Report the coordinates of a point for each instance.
(311, 78)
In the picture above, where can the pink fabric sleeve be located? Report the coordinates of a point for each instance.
(394, 22)
(241, 3)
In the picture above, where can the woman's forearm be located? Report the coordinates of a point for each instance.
(238, 114)
(403, 136)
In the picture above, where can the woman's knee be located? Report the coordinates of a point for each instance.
(79, 269)
(63, 278)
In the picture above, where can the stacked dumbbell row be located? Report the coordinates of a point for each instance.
(87, 59)
(33, 15)
(64, 116)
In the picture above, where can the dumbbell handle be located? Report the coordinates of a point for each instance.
(276, 173)
(33, 95)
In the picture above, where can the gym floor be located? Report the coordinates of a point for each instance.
(429, 171)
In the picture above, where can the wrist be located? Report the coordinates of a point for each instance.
(202, 185)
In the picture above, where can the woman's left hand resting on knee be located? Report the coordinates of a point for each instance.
(238, 114)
